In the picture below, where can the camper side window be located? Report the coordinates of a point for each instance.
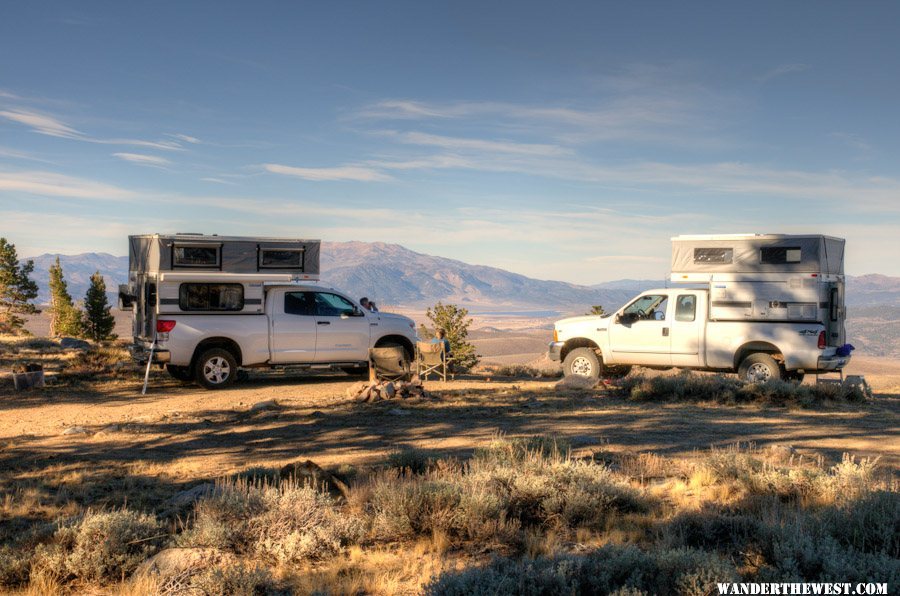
(196, 296)
(778, 255)
(713, 255)
(196, 256)
(281, 258)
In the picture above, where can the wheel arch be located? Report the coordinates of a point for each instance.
(578, 342)
(754, 347)
(397, 339)
(225, 343)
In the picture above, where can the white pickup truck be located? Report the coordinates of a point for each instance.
(771, 306)
(299, 325)
(671, 328)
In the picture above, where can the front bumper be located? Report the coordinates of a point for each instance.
(141, 354)
(555, 350)
(832, 362)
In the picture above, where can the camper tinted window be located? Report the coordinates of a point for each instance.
(713, 255)
(282, 258)
(195, 256)
(776, 255)
(195, 296)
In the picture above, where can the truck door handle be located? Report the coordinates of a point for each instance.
(665, 332)
(323, 322)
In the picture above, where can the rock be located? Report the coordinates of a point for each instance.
(575, 382)
(317, 414)
(264, 405)
(388, 390)
(173, 562)
(187, 497)
(310, 470)
(399, 412)
(75, 430)
(70, 343)
(112, 428)
(356, 389)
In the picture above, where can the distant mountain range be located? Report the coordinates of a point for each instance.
(393, 275)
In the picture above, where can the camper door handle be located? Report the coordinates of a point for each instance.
(665, 332)
(323, 322)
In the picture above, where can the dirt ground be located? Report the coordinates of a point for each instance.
(196, 433)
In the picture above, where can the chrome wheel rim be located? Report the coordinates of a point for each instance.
(582, 367)
(758, 372)
(216, 370)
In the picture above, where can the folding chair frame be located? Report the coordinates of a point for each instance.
(441, 368)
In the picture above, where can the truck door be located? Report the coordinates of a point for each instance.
(342, 329)
(686, 327)
(293, 327)
(639, 334)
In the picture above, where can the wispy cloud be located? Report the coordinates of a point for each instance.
(46, 124)
(462, 144)
(347, 172)
(185, 138)
(57, 185)
(41, 123)
(142, 159)
(218, 181)
(782, 70)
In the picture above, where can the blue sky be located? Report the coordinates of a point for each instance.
(565, 142)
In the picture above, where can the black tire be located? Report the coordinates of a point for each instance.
(582, 362)
(392, 344)
(180, 373)
(215, 369)
(759, 368)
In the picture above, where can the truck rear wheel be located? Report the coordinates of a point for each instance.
(215, 369)
(582, 362)
(759, 368)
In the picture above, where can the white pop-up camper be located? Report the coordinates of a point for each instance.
(767, 277)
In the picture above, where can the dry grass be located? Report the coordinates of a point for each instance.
(557, 522)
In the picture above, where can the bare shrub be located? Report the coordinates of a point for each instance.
(410, 459)
(99, 360)
(98, 546)
(232, 580)
(281, 522)
(688, 386)
(611, 569)
(527, 372)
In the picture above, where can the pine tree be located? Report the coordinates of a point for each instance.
(452, 319)
(64, 317)
(17, 290)
(97, 321)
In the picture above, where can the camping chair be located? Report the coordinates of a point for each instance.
(431, 357)
(390, 364)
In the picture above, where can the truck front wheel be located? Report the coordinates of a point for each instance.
(582, 362)
(215, 369)
(759, 368)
